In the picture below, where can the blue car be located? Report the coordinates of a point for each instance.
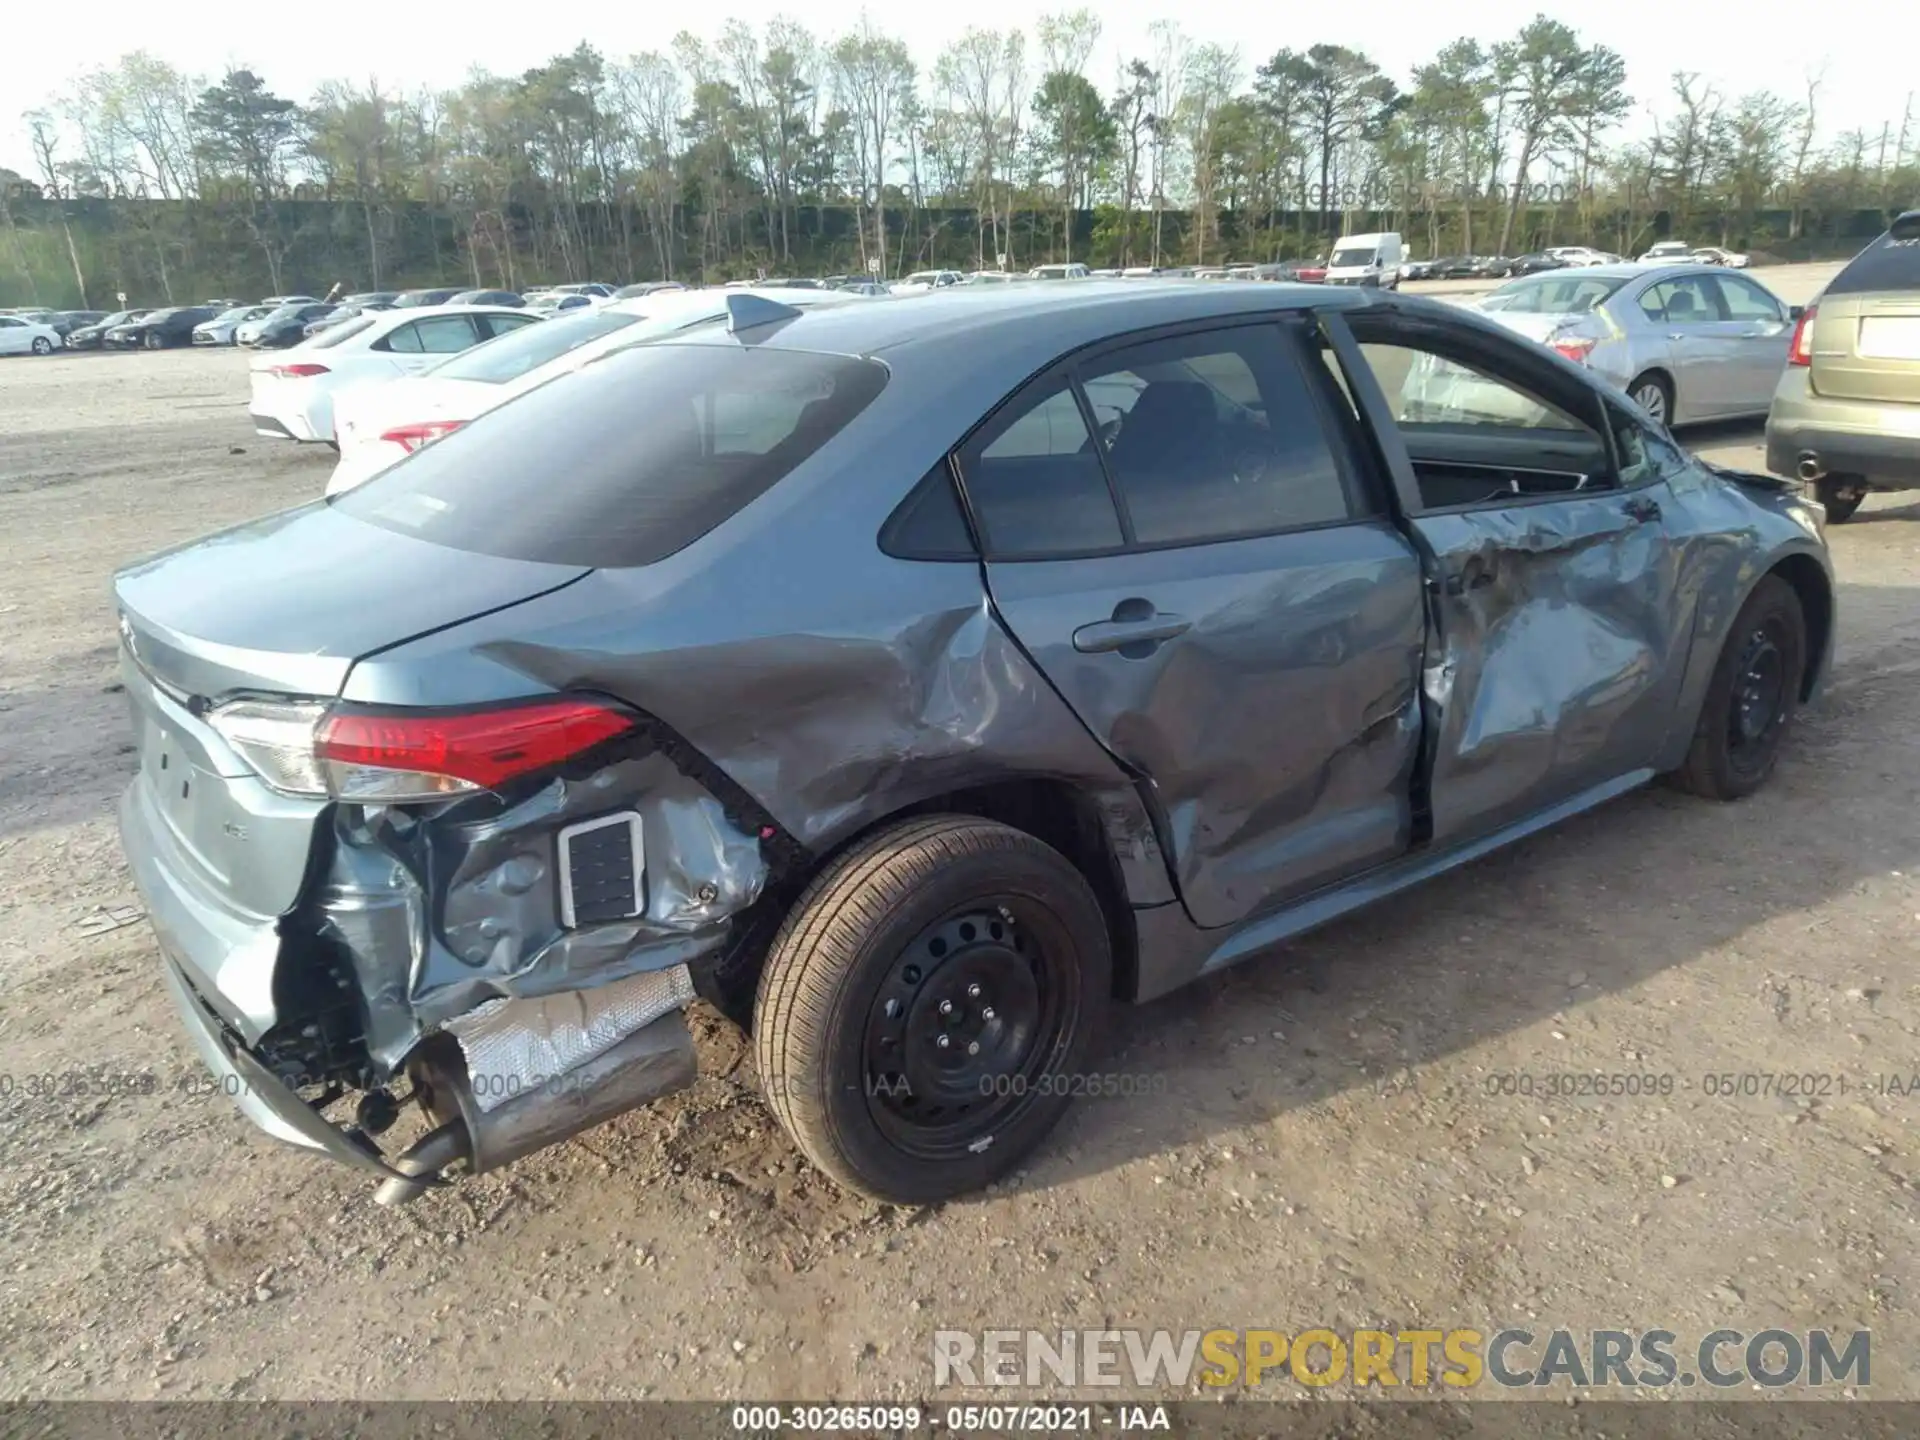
(914, 681)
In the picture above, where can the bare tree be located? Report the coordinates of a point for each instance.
(874, 77)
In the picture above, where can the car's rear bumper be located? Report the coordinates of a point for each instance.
(1877, 440)
(290, 426)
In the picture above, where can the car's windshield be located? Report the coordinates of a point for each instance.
(243, 312)
(1553, 295)
(531, 346)
(658, 444)
(1352, 256)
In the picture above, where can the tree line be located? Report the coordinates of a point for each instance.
(782, 151)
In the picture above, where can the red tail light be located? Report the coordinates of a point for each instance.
(1800, 349)
(411, 437)
(1575, 347)
(477, 750)
(297, 372)
(393, 756)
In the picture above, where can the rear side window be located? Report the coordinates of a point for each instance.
(623, 462)
(436, 335)
(1886, 264)
(345, 330)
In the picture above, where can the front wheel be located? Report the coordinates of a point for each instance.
(154, 342)
(930, 1005)
(42, 345)
(1839, 495)
(1751, 696)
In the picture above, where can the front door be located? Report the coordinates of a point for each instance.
(1553, 667)
(1191, 555)
(1761, 334)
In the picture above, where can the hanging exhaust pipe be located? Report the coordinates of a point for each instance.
(1810, 469)
(654, 1060)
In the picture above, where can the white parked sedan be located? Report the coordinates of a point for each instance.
(376, 425)
(294, 389)
(21, 336)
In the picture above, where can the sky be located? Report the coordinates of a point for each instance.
(1863, 46)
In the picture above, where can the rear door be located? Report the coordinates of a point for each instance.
(1696, 345)
(1558, 643)
(1177, 535)
(1761, 333)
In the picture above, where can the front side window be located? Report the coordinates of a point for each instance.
(1747, 301)
(657, 445)
(1687, 301)
(1427, 388)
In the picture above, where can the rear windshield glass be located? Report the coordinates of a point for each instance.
(1553, 295)
(1886, 264)
(626, 461)
(345, 330)
(529, 346)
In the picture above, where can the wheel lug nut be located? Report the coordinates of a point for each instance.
(986, 1012)
(943, 1041)
(946, 1007)
(973, 992)
(973, 1047)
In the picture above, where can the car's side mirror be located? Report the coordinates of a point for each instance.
(1907, 227)
(1794, 312)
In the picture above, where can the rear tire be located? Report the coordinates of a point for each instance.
(1751, 697)
(42, 345)
(1840, 495)
(941, 928)
(1653, 393)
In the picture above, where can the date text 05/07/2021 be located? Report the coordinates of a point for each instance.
(1003, 1419)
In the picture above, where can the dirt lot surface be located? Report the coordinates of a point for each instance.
(1325, 1143)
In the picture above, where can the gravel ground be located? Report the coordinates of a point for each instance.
(1322, 1146)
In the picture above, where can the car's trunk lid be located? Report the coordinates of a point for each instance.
(1867, 347)
(282, 607)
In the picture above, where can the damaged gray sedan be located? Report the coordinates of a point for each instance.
(912, 682)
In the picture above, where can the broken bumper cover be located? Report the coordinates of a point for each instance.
(262, 1096)
(545, 1067)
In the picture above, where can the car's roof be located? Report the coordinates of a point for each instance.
(966, 321)
(1623, 270)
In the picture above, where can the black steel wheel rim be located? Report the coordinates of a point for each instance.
(967, 1028)
(1759, 690)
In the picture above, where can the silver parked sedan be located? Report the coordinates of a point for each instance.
(1687, 342)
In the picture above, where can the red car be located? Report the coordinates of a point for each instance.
(1314, 272)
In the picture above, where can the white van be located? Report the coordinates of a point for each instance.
(1074, 271)
(1368, 260)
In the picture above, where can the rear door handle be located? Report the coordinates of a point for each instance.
(1642, 508)
(1129, 627)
